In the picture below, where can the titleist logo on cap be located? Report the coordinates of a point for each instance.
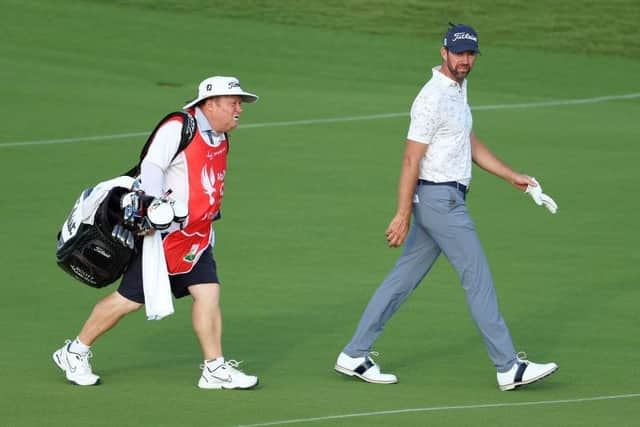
(464, 36)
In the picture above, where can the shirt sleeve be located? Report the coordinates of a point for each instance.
(159, 156)
(425, 118)
(165, 144)
(151, 179)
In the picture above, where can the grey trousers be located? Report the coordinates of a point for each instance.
(441, 224)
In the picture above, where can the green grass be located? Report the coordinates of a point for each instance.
(301, 246)
(588, 26)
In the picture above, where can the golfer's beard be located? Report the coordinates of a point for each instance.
(459, 74)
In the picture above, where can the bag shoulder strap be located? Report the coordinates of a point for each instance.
(189, 128)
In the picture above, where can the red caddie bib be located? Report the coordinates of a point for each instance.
(206, 166)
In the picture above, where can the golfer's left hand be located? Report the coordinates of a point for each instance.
(535, 191)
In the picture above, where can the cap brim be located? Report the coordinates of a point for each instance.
(191, 103)
(247, 97)
(464, 47)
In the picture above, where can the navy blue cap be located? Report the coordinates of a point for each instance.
(461, 38)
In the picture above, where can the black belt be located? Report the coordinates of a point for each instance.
(453, 184)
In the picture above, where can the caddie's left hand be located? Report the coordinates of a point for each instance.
(535, 191)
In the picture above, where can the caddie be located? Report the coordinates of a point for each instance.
(193, 175)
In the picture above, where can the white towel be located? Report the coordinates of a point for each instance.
(155, 279)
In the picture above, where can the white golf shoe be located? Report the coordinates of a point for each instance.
(76, 366)
(364, 368)
(226, 376)
(524, 372)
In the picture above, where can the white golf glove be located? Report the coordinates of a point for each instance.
(540, 198)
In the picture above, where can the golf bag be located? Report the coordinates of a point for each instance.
(96, 242)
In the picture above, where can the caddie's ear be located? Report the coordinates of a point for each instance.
(206, 104)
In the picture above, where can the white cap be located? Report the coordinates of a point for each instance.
(218, 86)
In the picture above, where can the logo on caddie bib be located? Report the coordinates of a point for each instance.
(208, 181)
(192, 253)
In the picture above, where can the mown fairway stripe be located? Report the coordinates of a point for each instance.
(542, 104)
(441, 408)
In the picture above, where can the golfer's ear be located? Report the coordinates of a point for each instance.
(443, 53)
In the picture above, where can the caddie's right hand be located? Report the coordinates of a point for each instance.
(134, 210)
(540, 199)
(144, 214)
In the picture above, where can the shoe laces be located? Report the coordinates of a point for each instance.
(228, 364)
(232, 365)
(522, 357)
(83, 359)
(373, 353)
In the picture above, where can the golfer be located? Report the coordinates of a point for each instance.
(434, 181)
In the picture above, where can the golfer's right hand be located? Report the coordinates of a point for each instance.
(397, 230)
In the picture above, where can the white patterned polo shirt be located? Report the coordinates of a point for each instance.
(441, 118)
